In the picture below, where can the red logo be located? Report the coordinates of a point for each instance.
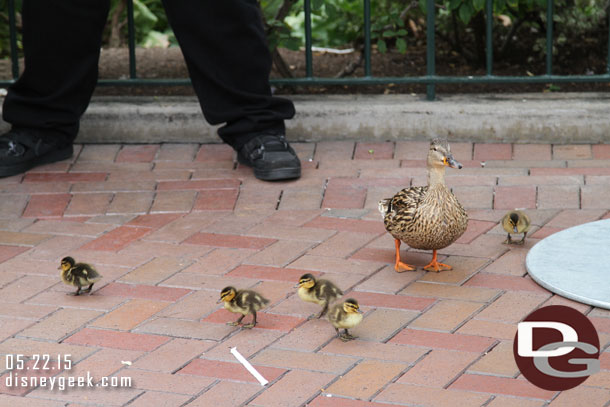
(556, 348)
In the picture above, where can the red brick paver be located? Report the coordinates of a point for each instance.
(230, 371)
(168, 226)
(119, 340)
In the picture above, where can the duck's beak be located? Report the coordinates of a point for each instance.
(59, 268)
(219, 301)
(515, 229)
(451, 162)
(297, 285)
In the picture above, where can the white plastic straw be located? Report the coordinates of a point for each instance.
(248, 366)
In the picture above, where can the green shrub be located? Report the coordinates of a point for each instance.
(5, 46)
(519, 26)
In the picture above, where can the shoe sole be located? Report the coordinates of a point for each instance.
(276, 174)
(50, 157)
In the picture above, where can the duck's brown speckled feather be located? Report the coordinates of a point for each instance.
(425, 218)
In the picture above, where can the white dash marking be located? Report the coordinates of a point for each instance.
(248, 366)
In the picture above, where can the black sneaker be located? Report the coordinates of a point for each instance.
(271, 157)
(21, 150)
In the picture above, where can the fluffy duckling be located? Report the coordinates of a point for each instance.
(345, 315)
(516, 222)
(321, 292)
(242, 302)
(78, 275)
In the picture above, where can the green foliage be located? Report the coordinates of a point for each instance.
(394, 24)
(462, 24)
(5, 46)
(279, 32)
(576, 21)
(389, 27)
(152, 27)
(340, 23)
(335, 23)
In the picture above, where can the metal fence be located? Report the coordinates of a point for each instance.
(431, 79)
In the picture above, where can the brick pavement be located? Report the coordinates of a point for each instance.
(169, 225)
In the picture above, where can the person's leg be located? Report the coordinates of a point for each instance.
(227, 55)
(61, 43)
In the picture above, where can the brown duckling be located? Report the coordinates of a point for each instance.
(242, 302)
(345, 315)
(516, 222)
(78, 275)
(321, 292)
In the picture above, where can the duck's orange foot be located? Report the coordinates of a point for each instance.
(401, 267)
(436, 266)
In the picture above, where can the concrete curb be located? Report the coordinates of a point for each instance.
(560, 118)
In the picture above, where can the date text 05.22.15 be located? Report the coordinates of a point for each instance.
(38, 362)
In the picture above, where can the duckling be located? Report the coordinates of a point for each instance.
(345, 315)
(426, 217)
(516, 222)
(242, 302)
(321, 292)
(78, 275)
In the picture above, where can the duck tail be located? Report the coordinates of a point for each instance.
(385, 206)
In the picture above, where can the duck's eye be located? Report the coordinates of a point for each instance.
(435, 149)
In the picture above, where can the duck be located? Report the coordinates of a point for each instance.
(516, 222)
(426, 217)
(78, 275)
(345, 315)
(319, 291)
(242, 302)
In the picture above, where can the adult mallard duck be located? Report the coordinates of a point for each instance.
(427, 217)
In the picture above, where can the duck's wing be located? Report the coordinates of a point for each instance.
(336, 313)
(402, 207)
(408, 198)
(524, 222)
(85, 271)
(251, 300)
(327, 289)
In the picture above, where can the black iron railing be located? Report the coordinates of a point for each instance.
(430, 79)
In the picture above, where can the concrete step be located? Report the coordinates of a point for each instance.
(560, 118)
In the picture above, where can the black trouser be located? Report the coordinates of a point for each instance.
(223, 43)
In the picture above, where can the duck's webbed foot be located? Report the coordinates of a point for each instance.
(346, 336)
(75, 293)
(235, 323)
(399, 266)
(253, 323)
(508, 239)
(435, 265)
